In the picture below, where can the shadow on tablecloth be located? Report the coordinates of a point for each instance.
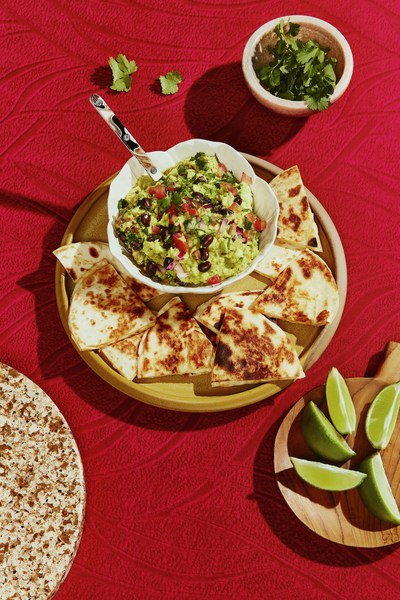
(219, 107)
(288, 528)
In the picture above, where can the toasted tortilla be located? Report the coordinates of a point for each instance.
(252, 349)
(123, 355)
(211, 313)
(304, 292)
(276, 260)
(175, 345)
(104, 309)
(296, 225)
(78, 257)
(42, 490)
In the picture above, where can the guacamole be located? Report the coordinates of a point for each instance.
(196, 226)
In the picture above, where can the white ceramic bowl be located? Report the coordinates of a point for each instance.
(256, 53)
(265, 204)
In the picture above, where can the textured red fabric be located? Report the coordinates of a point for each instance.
(180, 505)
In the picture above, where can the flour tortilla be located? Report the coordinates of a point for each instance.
(104, 309)
(211, 313)
(175, 345)
(42, 492)
(253, 349)
(276, 261)
(78, 257)
(305, 292)
(296, 225)
(123, 355)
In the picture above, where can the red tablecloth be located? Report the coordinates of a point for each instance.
(187, 505)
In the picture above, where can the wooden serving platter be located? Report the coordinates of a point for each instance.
(195, 394)
(341, 516)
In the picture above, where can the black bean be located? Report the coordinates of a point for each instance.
(204, 266)
(137, 245)
(167, 261)
(145, 203)
(164, 233)
(200, 178)
(153, 237)
(122, 236)
(151, 268)
(200, 198)
(238, 200)
(145, 218)
(207, 240)
(204, 254)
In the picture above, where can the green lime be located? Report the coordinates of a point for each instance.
(382, 416)
(321, 435)
(375, 491)
(327, 477)
(340, 404)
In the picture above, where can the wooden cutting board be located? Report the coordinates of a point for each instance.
(341, 516)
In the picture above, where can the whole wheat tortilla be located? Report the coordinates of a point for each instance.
(104, 309)
(42, 492)
(252, 349)
(296, 224)
(304, 292)
(79, 257)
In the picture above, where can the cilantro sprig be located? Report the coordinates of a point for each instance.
(299, 70)
(170, 81)
(122, 70)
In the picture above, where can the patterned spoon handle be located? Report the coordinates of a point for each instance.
(125, 136)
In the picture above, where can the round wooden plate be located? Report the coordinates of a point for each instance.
(340, 516)
(195, 394)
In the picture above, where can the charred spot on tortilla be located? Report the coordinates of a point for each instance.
(93, 252)
(294, 191)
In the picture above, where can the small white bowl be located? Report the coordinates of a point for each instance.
(256, 53)
(265, 204)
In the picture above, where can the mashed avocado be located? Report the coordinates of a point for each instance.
(195, 227)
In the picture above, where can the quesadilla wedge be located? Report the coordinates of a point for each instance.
(104, 309)
(78, 257)
(305, 292)
(211, 313)
(252, 349)
(123, 355)
(174, 345)
(296, 225)
(276, 260)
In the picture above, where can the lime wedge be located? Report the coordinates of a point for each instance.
(327, 477)
(382, 416)
(340, 404)
(321, 435)
(375, 491)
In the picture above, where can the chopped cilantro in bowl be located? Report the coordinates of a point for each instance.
(300, 70)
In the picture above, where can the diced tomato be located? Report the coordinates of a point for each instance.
(171, 187)
(158, 191)
(214, 280)
(235, 207)
(251, 217)
(259, 224)
(246, 178)
(221, 169)
(187, 207)
(172, 209)
(231, 188)
(180, 242)
(156, 229)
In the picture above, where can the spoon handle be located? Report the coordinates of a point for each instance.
(125, 136)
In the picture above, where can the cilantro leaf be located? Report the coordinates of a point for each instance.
(122, 69)
(170, 81)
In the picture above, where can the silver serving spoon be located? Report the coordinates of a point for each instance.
(125, 136)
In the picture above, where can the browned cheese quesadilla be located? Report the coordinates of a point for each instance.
(123, 355)
(252, 349)
(276, 260)
(211, 313)
(174, 345)
(78, 257)
(296, 225)
(304, 292)
(104, 309)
